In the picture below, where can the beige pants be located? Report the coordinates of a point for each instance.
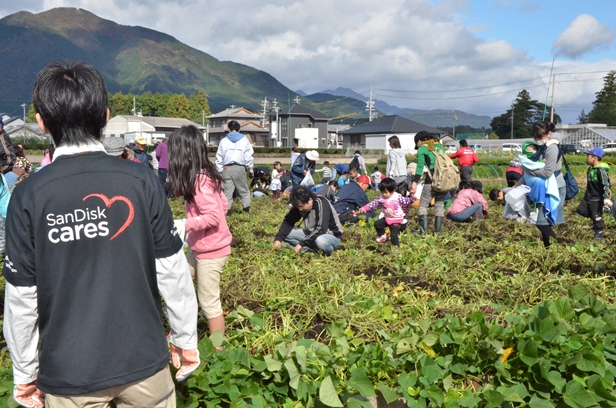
(156, 391)
(208, 273)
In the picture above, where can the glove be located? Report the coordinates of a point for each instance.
(186, 361)
(608, 203)
(179, 226)
(252, 173)
(27, 395)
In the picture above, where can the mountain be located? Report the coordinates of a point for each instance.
(131, 59)
(434, 118)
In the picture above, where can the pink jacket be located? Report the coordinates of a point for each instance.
(465, 199)
(208, 234)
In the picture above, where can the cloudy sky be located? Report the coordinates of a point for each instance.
(469, 55)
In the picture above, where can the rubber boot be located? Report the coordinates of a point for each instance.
(423, 224)
(438, 224)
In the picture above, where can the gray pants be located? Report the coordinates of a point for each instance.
(424, 201)
(234, 178)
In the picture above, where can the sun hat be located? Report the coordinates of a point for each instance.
(596, 151)
(141, 140)
(363, 179)
(114, 146)
(312, 155)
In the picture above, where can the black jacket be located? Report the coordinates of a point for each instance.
(350, 198)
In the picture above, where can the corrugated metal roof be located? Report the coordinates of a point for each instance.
(163, 122)
(390, 124)
(608, 133)
(234, 112)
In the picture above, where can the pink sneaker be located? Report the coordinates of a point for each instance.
(382, 238)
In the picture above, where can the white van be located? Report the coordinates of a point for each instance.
(512, 147)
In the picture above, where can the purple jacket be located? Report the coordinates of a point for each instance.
(162, 155)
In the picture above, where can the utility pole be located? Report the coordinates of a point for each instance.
(202, 118)
(512, 103)
(134, 106)
(370, 107)
(265, 102)
(276, 108)
(23, 105)
(454, 124)
(552, 107)
(296, 100)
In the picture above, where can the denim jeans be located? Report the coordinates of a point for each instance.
(466, 214)
(325, 243)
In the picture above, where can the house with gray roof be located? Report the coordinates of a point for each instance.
(299, 126)
(153, 128)
(251, 125)
(374, 134)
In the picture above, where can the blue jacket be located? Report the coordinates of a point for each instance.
(350, 198)
(140, 155)
(301, 164)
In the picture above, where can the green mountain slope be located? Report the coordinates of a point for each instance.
(132, 60)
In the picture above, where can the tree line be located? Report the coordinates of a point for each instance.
(194, 107)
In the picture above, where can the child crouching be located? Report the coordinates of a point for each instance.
(394, 206)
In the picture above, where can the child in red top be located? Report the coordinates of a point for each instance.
(195, 178)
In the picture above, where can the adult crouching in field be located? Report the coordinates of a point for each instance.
(83, 311)
(550, 153)
(233, 157)
(305, 162)
(426, 146)
(351, 198)
(466, 160)
(469, 205)
(396, 162)
(322, 230)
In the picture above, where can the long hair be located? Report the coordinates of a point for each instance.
(187, 161)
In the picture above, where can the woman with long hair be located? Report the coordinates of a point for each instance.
(194, 177)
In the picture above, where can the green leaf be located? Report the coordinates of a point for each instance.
(430, 339)
(578, 292)
(536, 402)
(562, 308)
(272, 365)
(358, 402)
(242, 311)
(556, 380)
(294, 375)
(468, 400)
(327, 393)
(432, 373)
(300, 356)
(387, 393)
(360, 382)
(576, 395)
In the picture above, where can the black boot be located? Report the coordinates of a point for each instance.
(438, 224)
(247, 209)
(423, 224)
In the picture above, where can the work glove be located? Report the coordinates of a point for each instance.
(179, 225)
(27, 395)
(252, 173)
(186, 361)
(608, 203)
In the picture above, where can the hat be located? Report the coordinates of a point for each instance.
(596, 151)
(312, 155)
(525, 153)
(141, 140)
(114, 146)
(421, 136)
(363, 179)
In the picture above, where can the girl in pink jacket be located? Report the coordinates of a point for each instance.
(195, 178)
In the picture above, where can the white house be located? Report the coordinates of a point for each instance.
(152, 128)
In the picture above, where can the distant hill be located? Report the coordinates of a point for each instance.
(434, 118)
(131, 59)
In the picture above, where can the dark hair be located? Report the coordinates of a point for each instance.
(277, 163)
(19, 152)
(375, 168)
(395, 142)
(187, 161)
(294, 149)
(234, 126)
(333, 183)
(72, 101)
(353, 168)
(494, 194)
(387, 184)
(402, 189)
(463, 143)
(357, 152)
(52, 150)
(300, 195)
(325, 163)
(542, 128)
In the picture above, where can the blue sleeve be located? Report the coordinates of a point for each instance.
(5, 197)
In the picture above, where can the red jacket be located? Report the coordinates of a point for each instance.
(465, 156)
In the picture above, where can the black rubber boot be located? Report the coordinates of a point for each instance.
(438, 224)
(423, 224)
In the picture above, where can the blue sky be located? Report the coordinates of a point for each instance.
(469, 55)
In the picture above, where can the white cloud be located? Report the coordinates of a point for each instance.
(584, 34)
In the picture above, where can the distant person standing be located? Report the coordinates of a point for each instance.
(396, 162)
(7, 154)
(294, 155)
(234, 156)
(162, 156)
(154, 159)
(466, 159)
(358, 162)
(139, 150)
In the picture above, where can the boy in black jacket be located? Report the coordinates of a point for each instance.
(598, 192)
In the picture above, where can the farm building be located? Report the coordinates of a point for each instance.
(587, 135)
(251, 125)
(374, 134)
(307, 127)
(151, 127)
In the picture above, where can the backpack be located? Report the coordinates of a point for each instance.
(446, 176)
(354, 162)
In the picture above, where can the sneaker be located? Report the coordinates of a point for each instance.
(598, 235)
(382, 238)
